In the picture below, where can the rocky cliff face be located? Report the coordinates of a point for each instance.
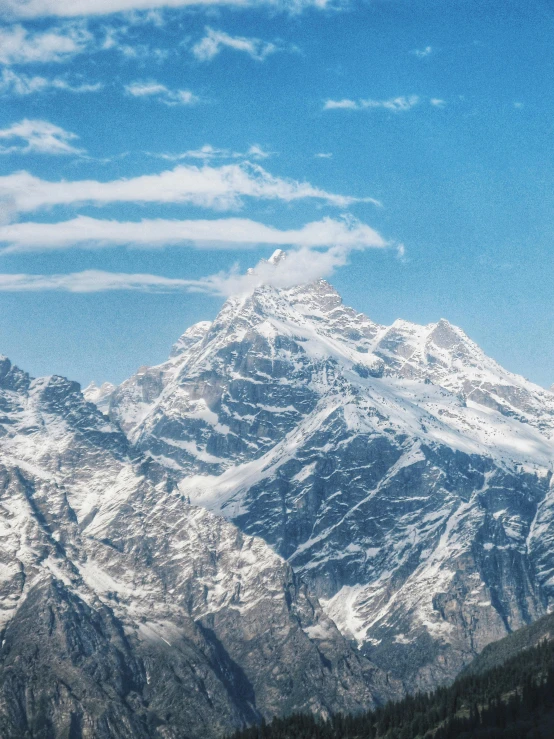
(403, 474)
(127, 612)
(496, 654)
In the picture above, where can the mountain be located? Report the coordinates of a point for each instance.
(403, 474)
(127, 612)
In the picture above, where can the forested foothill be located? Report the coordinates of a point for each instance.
(512, 701)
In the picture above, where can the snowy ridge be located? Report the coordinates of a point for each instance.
(331, 339)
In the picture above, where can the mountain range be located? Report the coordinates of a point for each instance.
(127, 612)
(300, 510)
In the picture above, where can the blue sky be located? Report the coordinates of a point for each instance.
(148, 157)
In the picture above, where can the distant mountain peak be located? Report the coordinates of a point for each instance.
(278, 256)
(100, 396)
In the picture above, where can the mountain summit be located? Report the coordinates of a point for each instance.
(402, 473)
(278, 256)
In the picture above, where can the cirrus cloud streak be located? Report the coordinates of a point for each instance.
(163, 94)
(76, 8)
(210, 187)
(394, 105)
(89, 281)
(225, 233)
(12, 83)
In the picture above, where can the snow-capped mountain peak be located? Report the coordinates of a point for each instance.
(100, 396)
(398, 468)
(278, 256)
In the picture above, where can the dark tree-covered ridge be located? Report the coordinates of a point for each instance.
(512, 701)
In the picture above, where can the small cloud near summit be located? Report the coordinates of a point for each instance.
(257, 152)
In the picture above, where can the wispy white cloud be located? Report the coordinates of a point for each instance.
(13, 83)
(422, 53)
(76, 8)
(257, 152)
(344, 104)
(19, 46)
(209, 153)
(211, 187)
(85, 232)
(394, 105)
(301, 265)
(151, 89)
(155, 18)
(437, 102)
(8, 211)
(323, 155)
(401, 254)
(90, 281)
(141, 51)
(121, 36)
(205, 153)
(69, 38)
(214, 41)
(37, 137)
